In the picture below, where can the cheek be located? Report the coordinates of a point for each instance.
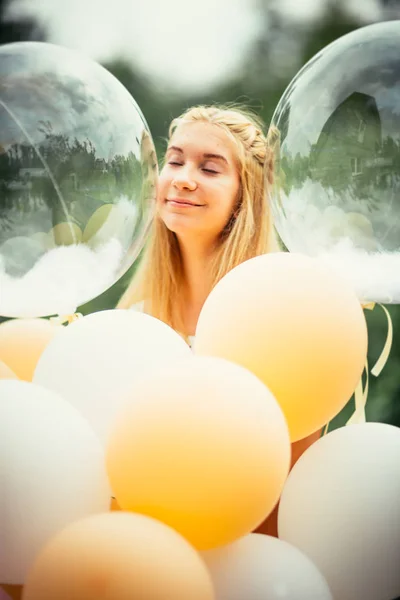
(222, 212)
(228, 200)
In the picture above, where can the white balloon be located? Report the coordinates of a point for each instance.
(261, 567)
(52, 472)
(98, 358)
(341, 507)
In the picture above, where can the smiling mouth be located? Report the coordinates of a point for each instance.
(182, 202)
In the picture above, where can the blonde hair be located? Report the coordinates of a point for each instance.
(248, 233)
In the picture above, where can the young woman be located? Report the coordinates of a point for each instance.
(213, 212)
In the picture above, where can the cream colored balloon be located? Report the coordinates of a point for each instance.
(118, 556)
(261, 567)
(50, 241)
(6, 372)
(361, 222)
(41, 237)
(95, 361)
(22, 342)
(360, 230)
(334, 220)
(19, 254)
(341, 507)
(52, 472)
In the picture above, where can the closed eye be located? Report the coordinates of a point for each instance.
(210, 171)
(174, 163)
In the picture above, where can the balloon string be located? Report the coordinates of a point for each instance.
(62, 319)
(361, 392)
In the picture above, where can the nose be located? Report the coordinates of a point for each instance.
(184, 181)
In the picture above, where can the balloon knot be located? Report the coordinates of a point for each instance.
(65, 319)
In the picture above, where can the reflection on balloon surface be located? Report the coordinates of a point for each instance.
(338, 180)
(78, 172)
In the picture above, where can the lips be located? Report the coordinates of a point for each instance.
(182, 202)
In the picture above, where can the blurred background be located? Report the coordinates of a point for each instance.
(171, 55)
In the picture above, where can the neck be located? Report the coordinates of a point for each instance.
(196, 269)
(197, 282)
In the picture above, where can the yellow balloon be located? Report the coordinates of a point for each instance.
(22, 342)
(360, 230)
(297, 325)
(203, 446)
(96, 221)
(118, 556)
(66, 234)
(6, 372)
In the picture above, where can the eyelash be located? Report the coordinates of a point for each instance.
(209, 171)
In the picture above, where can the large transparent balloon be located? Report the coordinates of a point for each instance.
(337, 192)
(78, 174)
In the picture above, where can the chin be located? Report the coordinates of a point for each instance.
(188, 226)
(179, 224)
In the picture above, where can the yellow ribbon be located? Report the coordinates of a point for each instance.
(360, 399)
(62, 319)
(382, 360)
(361, 393)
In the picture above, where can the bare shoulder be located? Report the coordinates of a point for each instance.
(138, 307)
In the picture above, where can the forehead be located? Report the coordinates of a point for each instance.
(204, 138)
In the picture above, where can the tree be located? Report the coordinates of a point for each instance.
(12, 31)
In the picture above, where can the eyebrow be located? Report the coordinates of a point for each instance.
(206, 155)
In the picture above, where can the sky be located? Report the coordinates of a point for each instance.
(191, 43)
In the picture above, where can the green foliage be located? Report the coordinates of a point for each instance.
(259, 84)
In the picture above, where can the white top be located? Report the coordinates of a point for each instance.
(139, 307)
